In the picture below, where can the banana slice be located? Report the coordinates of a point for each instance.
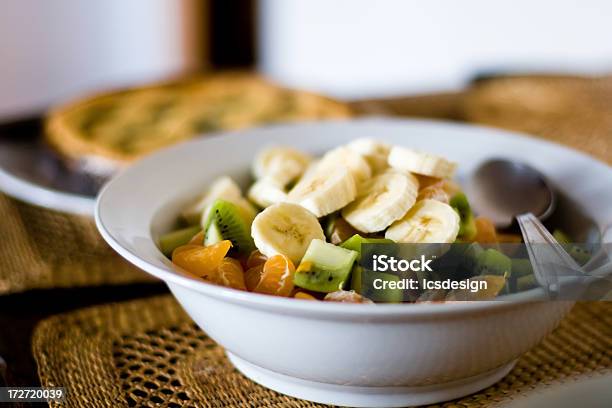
(264, 193)
(285, 229)
(324, 190)
(382, 200)
(426, 164)
(344, 157)
(222, 188)
(281, 165)
(374, 152)
(428, 221)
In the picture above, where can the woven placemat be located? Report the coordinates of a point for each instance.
(571, 110)
(43, 249)
(148, 353)
(574, 111)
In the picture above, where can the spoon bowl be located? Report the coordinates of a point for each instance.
(501, 189)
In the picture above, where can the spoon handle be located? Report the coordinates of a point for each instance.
(544, 253)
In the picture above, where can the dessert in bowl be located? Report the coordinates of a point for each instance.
(334, 352)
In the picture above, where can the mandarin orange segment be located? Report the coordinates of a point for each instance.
(197, 239)
(183, 248)
(252, 276)
(276, 277)
(256, 258)
(485, 231)
(230, 274)
(201, 261)
(304, 296)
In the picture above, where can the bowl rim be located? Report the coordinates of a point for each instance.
(286, 305)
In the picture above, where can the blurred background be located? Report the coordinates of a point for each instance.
(349, 49)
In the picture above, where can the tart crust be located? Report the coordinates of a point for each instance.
(104, 132)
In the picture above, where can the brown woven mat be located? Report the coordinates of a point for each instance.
(574, 111)
(149, 353)
(44, 249)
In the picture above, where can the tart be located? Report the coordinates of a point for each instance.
(101, 134)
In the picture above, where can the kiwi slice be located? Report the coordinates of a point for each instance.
(357, 279)
(467, 226)
(521, 267)
(561, 237)
(213, 234)
(362, 282)
(470, 255)
(580, 254)
(493, 262)
(225, 222)
(526, 282)
(354, 243)
(170, 241)
(452, 264)
(324, 267)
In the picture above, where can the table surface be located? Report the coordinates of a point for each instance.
(19, 314)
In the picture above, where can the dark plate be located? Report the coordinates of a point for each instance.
(30, 171)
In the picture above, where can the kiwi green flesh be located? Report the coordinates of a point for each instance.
(191, 219)
(324, 267)
(362, 282)
(470, 256)
(227, 223)
(213, 234)
(467, 226)
(526, 282)
(172, 240)
(580, 255)
(521, 267)
(354, 243)
(493, 262)
(561, 237)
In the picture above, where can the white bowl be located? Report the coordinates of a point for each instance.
(345, 354)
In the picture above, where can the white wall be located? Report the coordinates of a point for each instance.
(356, 48)
(51, 50)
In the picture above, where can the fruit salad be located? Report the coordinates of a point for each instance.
(297, 231)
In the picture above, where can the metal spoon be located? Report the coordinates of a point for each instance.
(557, 272)
(545, 254)
(502, 189)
